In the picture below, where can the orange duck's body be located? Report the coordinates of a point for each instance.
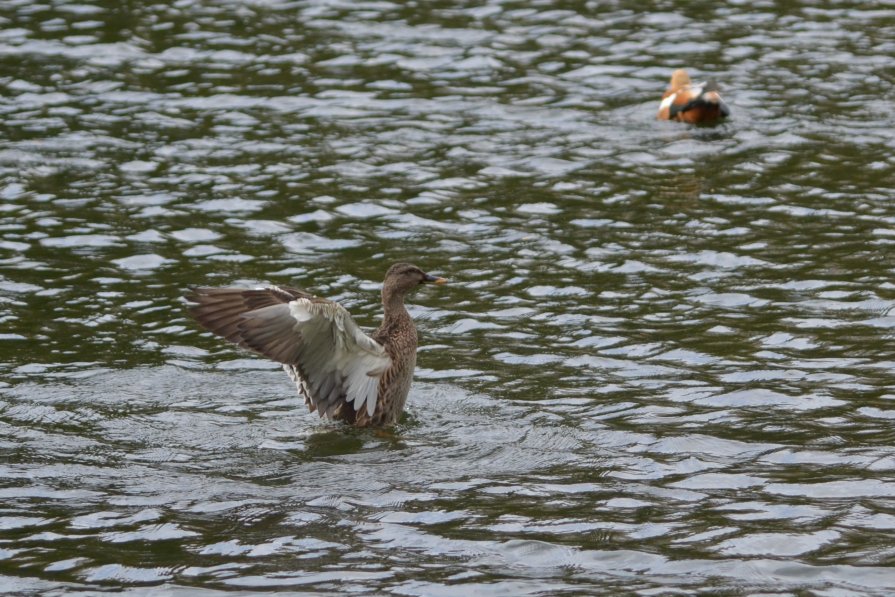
(696, 103)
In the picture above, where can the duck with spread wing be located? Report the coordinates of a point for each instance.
(341, 372)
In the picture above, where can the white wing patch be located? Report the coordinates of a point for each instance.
(666, 103)
(338, 358)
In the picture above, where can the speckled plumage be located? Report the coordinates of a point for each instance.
(342, 373)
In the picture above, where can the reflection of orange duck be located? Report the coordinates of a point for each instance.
(696, 103)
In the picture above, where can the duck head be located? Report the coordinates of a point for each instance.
(401, 278)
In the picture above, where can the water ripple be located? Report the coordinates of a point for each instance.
(663, 362)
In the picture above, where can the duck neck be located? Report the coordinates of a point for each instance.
(397, 332)
(393, 307)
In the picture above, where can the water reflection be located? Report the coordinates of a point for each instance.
(664, 363)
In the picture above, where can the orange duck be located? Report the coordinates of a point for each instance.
(696, 103)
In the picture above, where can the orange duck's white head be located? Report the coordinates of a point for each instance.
(696, 103)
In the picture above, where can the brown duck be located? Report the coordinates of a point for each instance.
(696, 103)
(341, 372)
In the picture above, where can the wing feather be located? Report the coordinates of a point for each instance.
(331, 360)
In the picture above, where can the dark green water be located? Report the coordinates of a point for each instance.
(664, 364)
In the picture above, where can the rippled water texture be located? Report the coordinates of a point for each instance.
(664, 362)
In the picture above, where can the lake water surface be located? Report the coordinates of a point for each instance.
(664, 363)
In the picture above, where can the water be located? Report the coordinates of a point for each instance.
(663, 365)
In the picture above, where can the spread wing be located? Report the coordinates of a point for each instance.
(319, 344)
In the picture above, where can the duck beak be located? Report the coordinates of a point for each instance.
(434, 279)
